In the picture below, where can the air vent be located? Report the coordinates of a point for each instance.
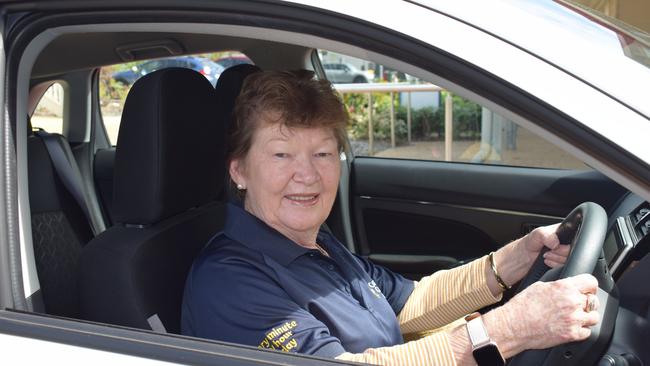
(641, 219)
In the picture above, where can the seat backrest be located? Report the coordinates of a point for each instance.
(59, 229)
(227, 89)
(168, 174)
(103, 166)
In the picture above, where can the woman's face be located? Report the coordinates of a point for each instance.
(291, 177)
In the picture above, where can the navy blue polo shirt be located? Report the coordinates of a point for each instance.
(252, 285)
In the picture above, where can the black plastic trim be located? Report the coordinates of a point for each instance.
(36, 302)
(504, 202)
(551, 192)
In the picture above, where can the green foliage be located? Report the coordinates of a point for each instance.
(357, 105)
(112, 93)
(426, 123)
(358, 109)
(467, 118)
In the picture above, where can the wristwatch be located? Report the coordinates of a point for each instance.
(484, 349)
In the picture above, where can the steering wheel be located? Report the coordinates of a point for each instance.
(585, 229)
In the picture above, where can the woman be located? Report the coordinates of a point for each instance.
(273, 279)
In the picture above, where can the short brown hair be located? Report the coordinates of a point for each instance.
(294, 99)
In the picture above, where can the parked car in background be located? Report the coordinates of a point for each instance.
(344, 73)
(206, 67)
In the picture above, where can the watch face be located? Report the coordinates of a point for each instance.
(488, 355)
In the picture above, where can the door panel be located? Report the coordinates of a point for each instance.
(420, 216)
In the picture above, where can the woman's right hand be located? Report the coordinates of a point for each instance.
(545, 314)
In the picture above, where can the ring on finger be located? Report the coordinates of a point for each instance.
(590, 303)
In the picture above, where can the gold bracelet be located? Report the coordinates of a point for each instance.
(500, 281)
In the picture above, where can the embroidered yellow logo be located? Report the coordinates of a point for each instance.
(281, 338)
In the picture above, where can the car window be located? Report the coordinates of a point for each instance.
(413, 118)
(232, 58)
(48, 114)
(115, 81)
(150, 66)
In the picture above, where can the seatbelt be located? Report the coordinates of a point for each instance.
(69, 175)
(156, 324)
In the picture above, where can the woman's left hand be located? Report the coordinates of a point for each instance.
(515, 259)
(541, 237)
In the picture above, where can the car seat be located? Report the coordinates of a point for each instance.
(64, 217)
(226, 91)
(168, 175)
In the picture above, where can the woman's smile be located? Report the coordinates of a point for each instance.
(303, 200)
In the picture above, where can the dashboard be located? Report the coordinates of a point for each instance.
(627, 239)
(626, 249)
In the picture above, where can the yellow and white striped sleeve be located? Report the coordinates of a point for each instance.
(433, 349)
(436, 301)
(445, 296)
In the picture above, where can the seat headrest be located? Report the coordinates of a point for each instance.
(170, 153)
(228, 88)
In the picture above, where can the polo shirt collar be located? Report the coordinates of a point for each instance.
(254, 233)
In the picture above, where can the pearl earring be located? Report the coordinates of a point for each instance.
(240, 187)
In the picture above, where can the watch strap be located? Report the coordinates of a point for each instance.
(478, 335)
(484, 349)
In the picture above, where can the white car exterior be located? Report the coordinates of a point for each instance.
(524, 44)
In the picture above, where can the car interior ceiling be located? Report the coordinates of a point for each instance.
(111, 48)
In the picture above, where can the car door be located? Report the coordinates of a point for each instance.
(417, 217)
